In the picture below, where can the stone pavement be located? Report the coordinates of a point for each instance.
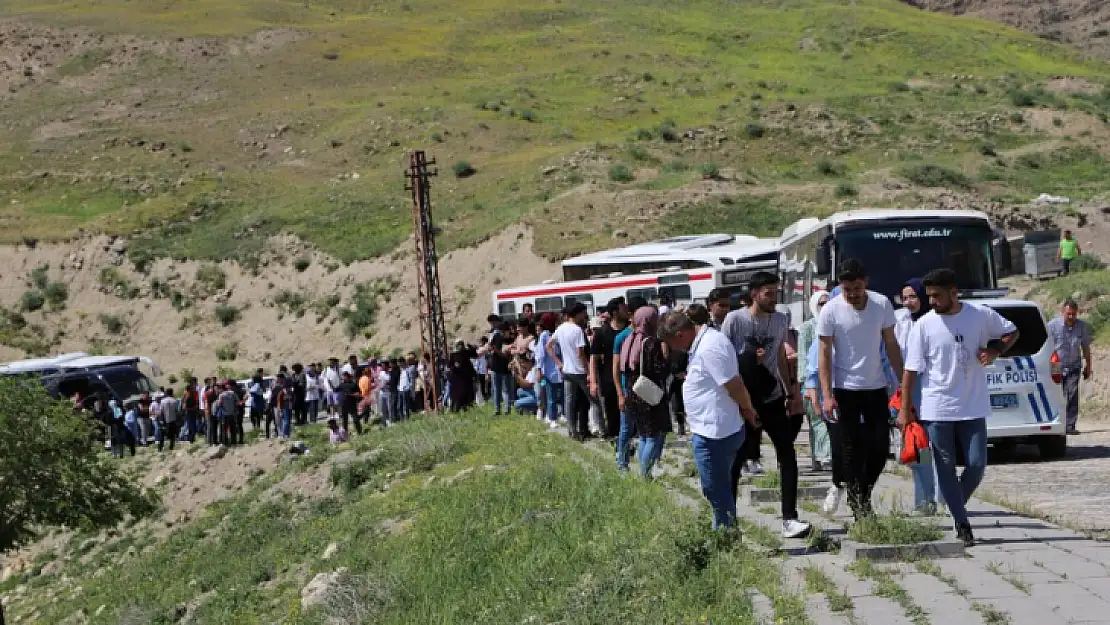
(1023, 571)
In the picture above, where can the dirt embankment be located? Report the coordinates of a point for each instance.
(293, 309)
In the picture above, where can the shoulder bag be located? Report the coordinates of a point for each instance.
(644, 388)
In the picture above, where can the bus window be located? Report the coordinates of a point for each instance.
(648, 295)
(549, 304)
(588, 300)
(678, 294)
(507, 311)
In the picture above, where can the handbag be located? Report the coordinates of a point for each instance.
(644, 388)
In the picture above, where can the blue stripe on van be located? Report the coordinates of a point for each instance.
(1017, 361)
(1032, 365)
(1044, 398)
(1036, 409)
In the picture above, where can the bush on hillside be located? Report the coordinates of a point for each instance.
(621, 173)
(710, 171)
(302, 263)
(1087, 262)
(931, 175)
(52, 474)
(227, 352)
(227, 314)
(463, 169)
(846, 189)
(39, 276)
(56, 294)
(114, 324)
(755, 130)
(31, 301)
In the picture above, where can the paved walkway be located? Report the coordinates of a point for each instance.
(1024, 571)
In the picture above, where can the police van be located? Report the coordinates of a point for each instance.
(1027, 400)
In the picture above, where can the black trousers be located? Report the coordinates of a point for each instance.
(610, 407)
(678, 406)
(350, 411)
(753, 438)
(836, 445)
(168, 431)
(865, 439)
(783, 431)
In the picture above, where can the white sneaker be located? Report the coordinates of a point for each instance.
(754, 467)
(539, 415)
(554, 425)
(832, 500)
(795, 528)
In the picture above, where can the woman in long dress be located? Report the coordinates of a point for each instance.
(460, 376)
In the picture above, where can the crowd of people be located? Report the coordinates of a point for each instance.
(638, 371)
(386, 390)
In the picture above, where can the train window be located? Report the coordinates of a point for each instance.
(506, 310)
(588, 300)
(549, 304)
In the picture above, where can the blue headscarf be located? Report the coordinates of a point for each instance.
(919, 288)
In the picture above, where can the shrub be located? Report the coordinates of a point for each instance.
(141, 258)
(438, 138)
(931, 175)
(464, 169)
(644, 134)
(359, 316)
(290, 302)
(301, 264)
(755, 130)
(1017, 118)
(324, 306)
(31, 301)
(987, 148)
(56, 294)
(668, 131)
(1029, 161)
(1087, 262)
(117, 283)
(227, 352)
(529, 115)
(676, 166)
(1019, 97)
(39, 276)
(710, 171)
(825, 167)
(114, 324)
(846, 189)
(899, 87)
(638, 153)
(227, 314)
(211, 277)
(621, 173)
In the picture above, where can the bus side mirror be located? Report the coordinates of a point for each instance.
(824, 257)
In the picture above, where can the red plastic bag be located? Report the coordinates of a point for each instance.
(914, 440)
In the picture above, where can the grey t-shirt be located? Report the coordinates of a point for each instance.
(1070, 341)
(227, 401)
(746, 332)
(170, 409)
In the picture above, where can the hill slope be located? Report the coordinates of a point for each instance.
(213, 130)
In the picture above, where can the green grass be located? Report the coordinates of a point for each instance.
(893, 530)
(561, 78)
(755, 215)
(1078, 172)
(770, 479)
(818, 582)
(545, 534)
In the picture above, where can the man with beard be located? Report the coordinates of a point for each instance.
(759, 333)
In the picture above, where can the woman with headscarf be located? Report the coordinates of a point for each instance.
(824, 432)
(915, 304)
(642, 356)
(820, 450)
(460, 376)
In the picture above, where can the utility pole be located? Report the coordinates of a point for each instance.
(433, 335)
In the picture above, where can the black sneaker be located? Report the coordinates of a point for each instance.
(963, 532)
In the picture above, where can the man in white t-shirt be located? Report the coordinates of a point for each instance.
(715, 398)
(568, 347)
(853, 328)
(948, 349)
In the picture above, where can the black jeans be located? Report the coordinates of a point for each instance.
(753, 438)
(678, 407)
(836, 446)
(168, 431)
(865, 440)
(782, 430)
(350, 411)
(610, 406)
(270, 421)
(576, 399)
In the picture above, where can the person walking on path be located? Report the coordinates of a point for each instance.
(603, 385)
(949, 348)
(820, 450)
(717, 406)
(642, 356)
(628, 425)
(915, 304)
(1068, 251)
(852, 329)
(1072, 338)
(171, 418)
(758, 333)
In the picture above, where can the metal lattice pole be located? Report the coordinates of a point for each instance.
(433, 335)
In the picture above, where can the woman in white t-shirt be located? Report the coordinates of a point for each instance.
(717, 404)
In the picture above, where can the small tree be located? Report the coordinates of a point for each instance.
(51, 473)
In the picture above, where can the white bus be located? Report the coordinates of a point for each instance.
(896, 245)
(678, 287)
(687, 252)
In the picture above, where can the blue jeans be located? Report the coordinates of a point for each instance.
(135, 432)
(624, 439)
(313, 408)
(925, 485)
(502, 391)
(945, 437)
(651, 450)
(554, 391)
(714, 457)
(525, 401)
(287, 422)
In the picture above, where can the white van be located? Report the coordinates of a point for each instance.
(1027, 405)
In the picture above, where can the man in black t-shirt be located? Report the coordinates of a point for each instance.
(498, 359)
(349, 398)
(602, 386)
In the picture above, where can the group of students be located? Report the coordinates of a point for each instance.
(742, 377)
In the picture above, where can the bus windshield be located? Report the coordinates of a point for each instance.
(894, 253)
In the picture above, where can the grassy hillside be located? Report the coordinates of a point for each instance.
(213, 124)
(444, 520)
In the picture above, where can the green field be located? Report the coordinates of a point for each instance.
(509, 89)
(495, 520)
